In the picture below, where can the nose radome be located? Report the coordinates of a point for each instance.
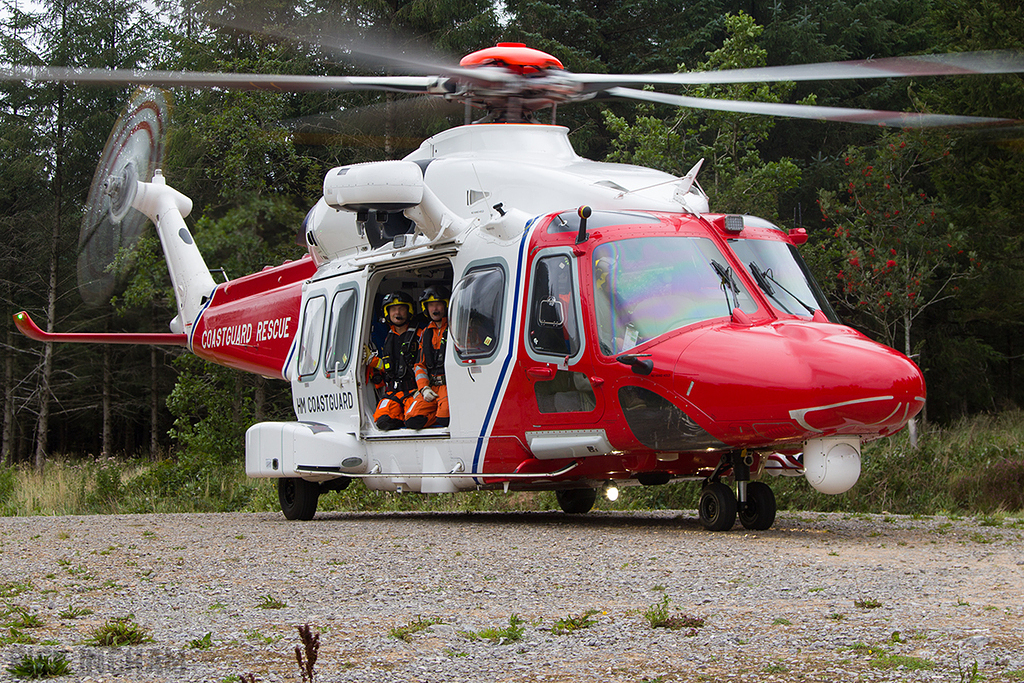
(818, 377)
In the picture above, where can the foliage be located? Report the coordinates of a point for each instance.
(735, 175)
(891, 251)
(210, 412)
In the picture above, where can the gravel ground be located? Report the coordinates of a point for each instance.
(818, 597)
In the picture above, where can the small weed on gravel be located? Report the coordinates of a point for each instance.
(404, 633)
(204, 643)
(969, 674)
(257, 637)
(117, 632)
(17, 636)
(867, 603)
(268, 601)
(305, 656)
(574, 623)
(73, 612)
(658, 616)
(12, 589)
(892, 661)
(509, 634)
(41, 666)
(16, 616)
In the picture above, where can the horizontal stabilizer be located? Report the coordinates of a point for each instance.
(27, 327)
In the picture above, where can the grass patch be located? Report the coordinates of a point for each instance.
(12, 589)
(73, 612)
(40, 666)
(867, 603)
(268, 601)
(658, 615)
(891, 661)
(406, 631)
(204, 643)
(512, 633)
(16, 616)
(571, 623)
(118, 632)
(971, 467)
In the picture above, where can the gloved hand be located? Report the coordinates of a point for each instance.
(368, 354)
(429, 395)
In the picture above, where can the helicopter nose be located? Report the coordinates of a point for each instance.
(800, 379)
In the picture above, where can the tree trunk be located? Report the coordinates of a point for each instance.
(912, 425)
(8, 435)
(43, 421)
(154, 406)
(260, 397)
(106, 450)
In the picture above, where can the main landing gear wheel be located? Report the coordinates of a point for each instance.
(758, 513)
(576, 501)
(298, 498)
(717, 507)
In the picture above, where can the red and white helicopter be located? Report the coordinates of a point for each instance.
(606, 327)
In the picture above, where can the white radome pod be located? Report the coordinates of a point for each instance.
(832, 464)
(374, 186)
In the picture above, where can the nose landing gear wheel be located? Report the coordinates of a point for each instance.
(576, 501)
(758, 513)
(717, 507)
(298, 498)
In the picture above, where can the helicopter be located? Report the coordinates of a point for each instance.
(606, 328)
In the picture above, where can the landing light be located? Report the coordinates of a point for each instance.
(611, 492)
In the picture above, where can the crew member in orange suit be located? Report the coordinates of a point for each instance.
(430, 407)
(393, 368)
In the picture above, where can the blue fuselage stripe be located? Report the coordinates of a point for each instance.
(513, 339)
(195, 323)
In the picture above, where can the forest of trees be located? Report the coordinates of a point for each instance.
(916, 236)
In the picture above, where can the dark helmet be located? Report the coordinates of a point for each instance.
(397, 298)
(434, 293)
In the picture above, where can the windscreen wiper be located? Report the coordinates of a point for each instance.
(764, 278)
(728, 284)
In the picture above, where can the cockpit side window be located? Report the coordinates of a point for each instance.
(554, 328)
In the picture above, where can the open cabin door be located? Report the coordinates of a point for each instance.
(326, 376)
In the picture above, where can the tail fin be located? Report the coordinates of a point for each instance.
(190, 277)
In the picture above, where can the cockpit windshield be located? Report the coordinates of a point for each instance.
(783, 276)
(647, 286)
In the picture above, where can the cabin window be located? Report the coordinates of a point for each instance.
(554, 327)
(312, 336)
(568, 392)
(340, 332)
(475, 315)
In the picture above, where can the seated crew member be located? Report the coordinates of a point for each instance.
(393, 366)
(430, 408)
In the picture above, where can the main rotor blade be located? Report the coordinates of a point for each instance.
(874, 117)
(366, 50)
(953, 64)
(227, 81)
